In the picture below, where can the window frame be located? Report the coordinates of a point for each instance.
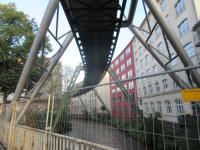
(168, 104)
(179, 106)
(183, 25)
(189, 49)
(178, 7)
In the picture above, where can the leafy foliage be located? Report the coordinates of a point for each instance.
(16, 36)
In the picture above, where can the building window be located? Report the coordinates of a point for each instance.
(183, 27)
(146, 59)
(144, 90)
(128, 51)
(114, 99)
(117, 71)
(116, 62)
(130, 74)
(122, 67)
(146, 107)
(176, 85)
(119, 98)
(140, 102)
(157, 87)
(161, 47)
(148, 72)
(189, 48)
(163, 5)
(122, 57)
(168, 106)
(152, 107)
(165, 84)
(141, 63)
(140, 50)
(128, 62)
(179, 106)
(159, 106)
(158, 31)
(130, 85)
(136, 61)
(124, 77)
(119, 109)
(155, 69)
(135, 52)
(173, 62)
(125, 109)
(125, 86)
(142, 76)
(150, 88)
(138, 72)
(113, 91)
(180, 7)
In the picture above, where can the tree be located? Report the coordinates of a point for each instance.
(54, 82)
(16, 36)
(67, 75)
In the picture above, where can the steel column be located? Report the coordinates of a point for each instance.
(172, 37)
(49, 13)
(46, 74)
(176, 78)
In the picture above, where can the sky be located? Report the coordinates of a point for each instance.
(71, 58)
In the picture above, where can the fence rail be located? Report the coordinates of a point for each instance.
(26, 138)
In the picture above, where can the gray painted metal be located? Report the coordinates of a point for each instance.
(176, 78)
(46, 74)
(131, 14)
(172, 37)
(100, 100)
(49, 13)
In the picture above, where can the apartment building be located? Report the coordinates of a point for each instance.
(90, 101)
(123, 66)
(161, 93)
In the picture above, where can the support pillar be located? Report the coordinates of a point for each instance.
(46, 74)
(48, 16)
(172, 37)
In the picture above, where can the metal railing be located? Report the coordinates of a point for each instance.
(26, 138)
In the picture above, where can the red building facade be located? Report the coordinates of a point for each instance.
(124, 67)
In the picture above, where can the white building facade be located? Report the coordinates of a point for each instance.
(90, 101)
(161, 93)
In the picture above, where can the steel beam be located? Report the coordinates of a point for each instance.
(176, 78)
(100, 100)
(172, 37)
(131, 14)
(46, 74)
(49, 13)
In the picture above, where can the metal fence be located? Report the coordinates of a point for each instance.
(102, 116)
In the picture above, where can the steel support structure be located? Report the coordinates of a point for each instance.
(48, 16)
(65, 100)
(83, 104)
(175, 77)
(46, 74)
(172, 37)
(100, 100)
